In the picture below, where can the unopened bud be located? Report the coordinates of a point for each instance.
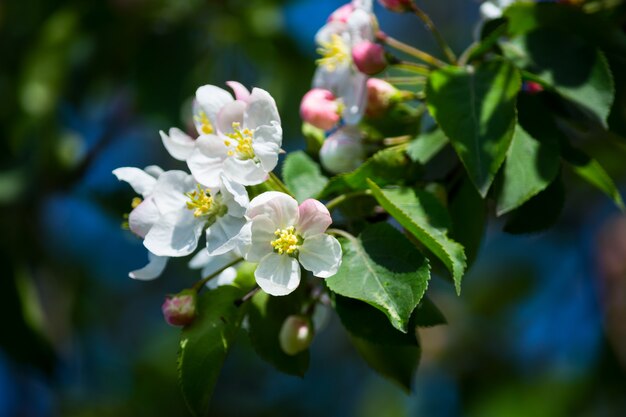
(341, 14)
(532, 87)
(296, 335)
(369, 57)
(320, 109)
(180, 309)
(379, 97)
(399, 6)
(343, 151)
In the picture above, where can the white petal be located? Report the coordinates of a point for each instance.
(221, 235)
(245, 172)
(169, 191)
(210, 264)
(261, 110)
(230, 113)
(360, 24)
(205, 170)
(235, 196)
(326, 32)
(154, 170)
(178, 144)
(314, 218)
(227, 277)
(211, 99)
(241, 92)
(280, 207)
(321, 254)
(267, 154)
(200, 259)
(152, 270)
(262, 230)
(141, 219)
(354, 95)
(272, 133)
(142, 182)
(278, 274)
(175, 234)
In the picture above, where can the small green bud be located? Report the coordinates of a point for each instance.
(296, 334)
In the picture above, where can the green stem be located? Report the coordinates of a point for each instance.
(341, 233)
(198, 285)
(410, 50)
(248, 296)
(332, 204)
(430, 25)
(405, 80)
(413, 67)
(278, 184)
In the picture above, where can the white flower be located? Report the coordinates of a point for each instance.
(284, 235)
(210, 264)
(187, 210)
(492, 9)
(144, 214)
(246, 143)
(336, 71)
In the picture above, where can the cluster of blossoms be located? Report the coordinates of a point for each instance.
(237, 145)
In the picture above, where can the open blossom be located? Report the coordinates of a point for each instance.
(284, 236)
(336, 72)
(189, 209)
(245, 144)
(144, 214)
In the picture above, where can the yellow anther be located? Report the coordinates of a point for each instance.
(200, 202)
(334, 52)
(136, 201)
(286, 242)
(205, 124)
(242, 142)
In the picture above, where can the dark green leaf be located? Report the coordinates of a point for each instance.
(468, 212)
(266, 316)
(422, 214)
(538, 213)
(205, 343)
(303, 176)
(393, 354)
(529, 168)
(384, 269)
(426, 146)
(426, 314)
(475, 108)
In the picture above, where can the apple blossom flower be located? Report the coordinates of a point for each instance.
(245, 145)
(369, 57)
(343, 151)
(188, 209)
(320, 109)
(284, 236)
(210, 264)
(336, 71)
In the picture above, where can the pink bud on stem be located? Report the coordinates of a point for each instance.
(180, 309)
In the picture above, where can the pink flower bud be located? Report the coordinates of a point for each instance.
(532, 87)
(295, 335)
(341, 14)
(343, 151)
(320, 109)
(369, 57)
(180, 309)
(379, 95)
(399, 6)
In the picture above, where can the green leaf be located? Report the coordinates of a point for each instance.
(468, 212)
(393, 354)
(388, 166)
(422, 214)
(529, 168)
(266, 316)
(576, 70)
(384, 269)
(205, 343)
(303, 176)
(591, 171)
(475, 108)
(538, 213)
(426, 146)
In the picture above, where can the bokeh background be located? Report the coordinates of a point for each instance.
(85, 87)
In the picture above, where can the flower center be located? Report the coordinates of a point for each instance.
(240, 142)
(135, 202)
(287, 241)
(334, 53)
(205, 124)
(200, 202)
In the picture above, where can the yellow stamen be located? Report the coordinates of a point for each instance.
(136, 201)
(243, 142)
(205, 124)
(334, 53)
(286, 242)
(201, 202)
